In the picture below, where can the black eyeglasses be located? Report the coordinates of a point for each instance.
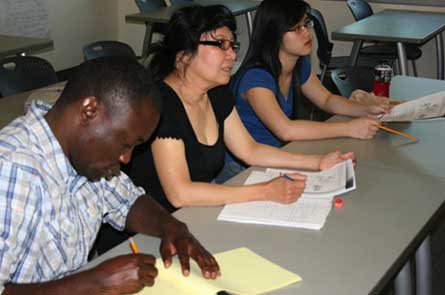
(224, 44)
(308, 24)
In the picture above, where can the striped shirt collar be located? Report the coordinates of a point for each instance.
(50, 145)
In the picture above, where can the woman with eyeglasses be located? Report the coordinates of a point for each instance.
(274, 75)
(199, 121)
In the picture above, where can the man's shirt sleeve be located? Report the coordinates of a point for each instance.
(19, 217)
(119, 195)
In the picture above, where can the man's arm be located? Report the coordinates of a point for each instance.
(120, 275)
(146, 216)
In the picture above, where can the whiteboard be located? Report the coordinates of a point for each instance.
(27, 18)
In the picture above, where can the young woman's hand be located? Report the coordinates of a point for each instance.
(362, 128)
(330, 159)
(285, 189)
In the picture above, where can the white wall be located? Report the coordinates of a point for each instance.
(75, 23)
(133, 34)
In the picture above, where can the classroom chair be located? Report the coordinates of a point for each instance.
(107, 48)
(325, 48)
(160, 28)
(24, 73)
(349, 78)
(361, 9)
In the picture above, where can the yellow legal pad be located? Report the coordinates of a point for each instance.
(243, 273)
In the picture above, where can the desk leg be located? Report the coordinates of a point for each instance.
(439, 53)
(403, 281)
(355, 51)
(147, 39)
(423, 267)
(402, 59)
(249, 24)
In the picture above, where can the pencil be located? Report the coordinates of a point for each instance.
(396, 102)
(403, 134)
(133, 246)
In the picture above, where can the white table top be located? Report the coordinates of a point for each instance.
(12, 45)
(389, 150)
(362, 245)
(359, 250)
(415, 27)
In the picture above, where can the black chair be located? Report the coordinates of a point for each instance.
(107, 48)
(23, 73)
(325, 47)
(160, 28)
(361, 9)
(349, 79)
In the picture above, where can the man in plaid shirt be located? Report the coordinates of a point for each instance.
(60, 180)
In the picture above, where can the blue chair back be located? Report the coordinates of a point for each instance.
(24, 73)
(107, 48)
(149, 5)
(359, 9)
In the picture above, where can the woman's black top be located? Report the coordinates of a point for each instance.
(204, 161)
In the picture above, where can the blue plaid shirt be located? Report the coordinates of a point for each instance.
(50, 215)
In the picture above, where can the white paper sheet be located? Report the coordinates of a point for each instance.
(311, 209)
(307, 213)
(430, 106)
(27, 18)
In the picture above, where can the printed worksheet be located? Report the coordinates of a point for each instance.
(329, 180)
(426, 107)
(309, 211)
(305, 213)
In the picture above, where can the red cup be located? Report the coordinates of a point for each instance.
(381, 88)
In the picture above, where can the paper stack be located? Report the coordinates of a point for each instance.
(311, 209)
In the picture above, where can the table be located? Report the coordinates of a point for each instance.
(12, 107)
(358, 251)
(399, 26)
(392, 152)
(14, 45)
(162, 15)
(364, 245)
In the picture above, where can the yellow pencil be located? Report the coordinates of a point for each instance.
(403, 134)
(396, 102)
(133, 246)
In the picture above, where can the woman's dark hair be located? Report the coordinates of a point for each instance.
(184, 31)
(272, 20)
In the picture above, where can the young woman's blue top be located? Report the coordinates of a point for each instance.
(258, 77)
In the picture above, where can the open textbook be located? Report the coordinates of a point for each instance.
(311, 209)
(243, 273)
(426, 107)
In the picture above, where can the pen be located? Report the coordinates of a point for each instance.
(133, 246)
(285, 176)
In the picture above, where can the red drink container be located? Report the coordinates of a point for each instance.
(382, 79)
